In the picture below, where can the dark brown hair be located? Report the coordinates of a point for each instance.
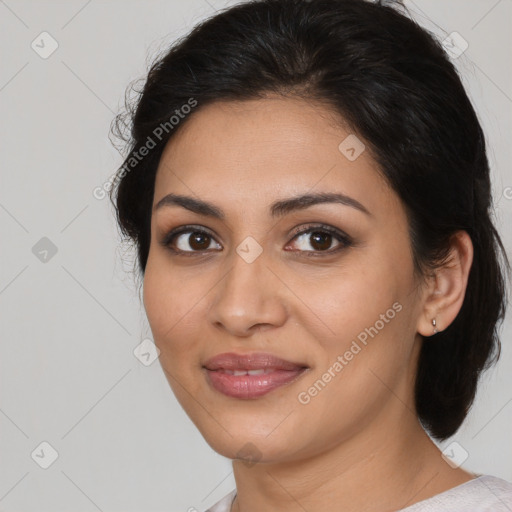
(397, 89)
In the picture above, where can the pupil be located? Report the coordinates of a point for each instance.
(200, 239)
(319, 236)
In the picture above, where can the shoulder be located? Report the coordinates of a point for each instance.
(224, 505)
(484, 493)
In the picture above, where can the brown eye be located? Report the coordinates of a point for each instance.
(320, 240)
(188, 240)
(315, 241)
(199, 241)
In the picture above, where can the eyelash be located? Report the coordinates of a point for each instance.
(345, 240)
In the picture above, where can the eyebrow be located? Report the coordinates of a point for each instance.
(277, 209)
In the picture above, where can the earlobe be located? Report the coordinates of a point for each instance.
(446, 291)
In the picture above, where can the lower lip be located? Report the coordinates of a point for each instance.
(251, 386)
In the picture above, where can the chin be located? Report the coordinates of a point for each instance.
(243, 442)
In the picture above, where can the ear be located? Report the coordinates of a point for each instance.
(445, 290)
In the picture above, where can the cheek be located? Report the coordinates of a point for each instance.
(347, 299)
(362, 313)
(172, 308)
(171, 302)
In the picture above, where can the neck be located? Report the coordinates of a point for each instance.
(390, 465)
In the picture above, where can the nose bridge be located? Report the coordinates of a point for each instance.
(248, 294)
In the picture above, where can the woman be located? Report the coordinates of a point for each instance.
(308, 191)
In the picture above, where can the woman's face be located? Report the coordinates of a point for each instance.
(343, 312)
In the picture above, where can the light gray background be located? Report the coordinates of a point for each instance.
(70, 325)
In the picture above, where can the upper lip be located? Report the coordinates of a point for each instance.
(254, 361)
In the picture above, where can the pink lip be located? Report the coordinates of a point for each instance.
(277, 372)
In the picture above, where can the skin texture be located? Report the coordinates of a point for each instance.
(358, 442)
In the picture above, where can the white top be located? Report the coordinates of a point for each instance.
(485, 493)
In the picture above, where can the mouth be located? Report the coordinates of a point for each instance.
(250, 376)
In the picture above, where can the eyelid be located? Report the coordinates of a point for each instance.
(309, 227)
(345, 240)
(185, 229)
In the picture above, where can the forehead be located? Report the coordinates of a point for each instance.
(250, 153)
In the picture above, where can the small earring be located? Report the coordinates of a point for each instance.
(434, 325)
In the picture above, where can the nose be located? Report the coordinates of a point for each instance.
(249, 298)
